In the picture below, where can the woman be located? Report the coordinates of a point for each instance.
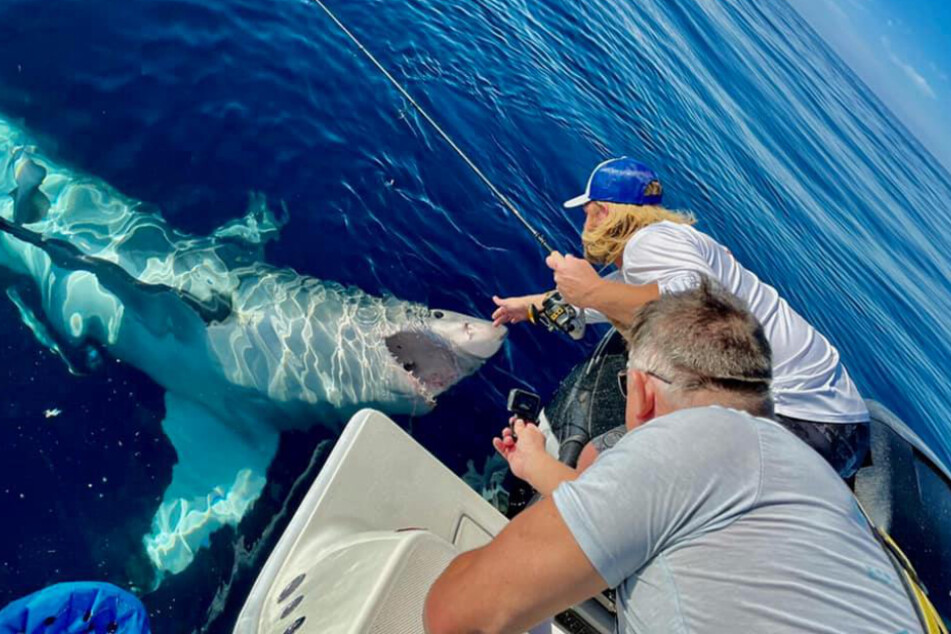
(658, 251)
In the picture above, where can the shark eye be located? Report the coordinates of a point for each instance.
(438, 314)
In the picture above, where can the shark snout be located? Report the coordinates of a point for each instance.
(481, 339)
(468, 335)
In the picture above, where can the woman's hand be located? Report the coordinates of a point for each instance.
(512, 310)
(523, 446)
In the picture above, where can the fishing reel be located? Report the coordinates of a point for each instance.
(557, 314)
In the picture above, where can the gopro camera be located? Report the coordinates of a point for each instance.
(525, 405)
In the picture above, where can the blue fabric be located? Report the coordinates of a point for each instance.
(83, 606)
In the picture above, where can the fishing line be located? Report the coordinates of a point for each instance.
(396, 84)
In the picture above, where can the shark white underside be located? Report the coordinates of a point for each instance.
(244, 350)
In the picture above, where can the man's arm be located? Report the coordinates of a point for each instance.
(532, 570)
(580, 285)
(618, 301)
(548, 473)
(512, 310)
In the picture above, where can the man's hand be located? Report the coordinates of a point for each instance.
(575, 278)
(522, 445)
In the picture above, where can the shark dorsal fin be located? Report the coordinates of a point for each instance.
(30, 204)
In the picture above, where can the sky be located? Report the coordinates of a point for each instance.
(901, 49)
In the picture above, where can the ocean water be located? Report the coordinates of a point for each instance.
(750, 119)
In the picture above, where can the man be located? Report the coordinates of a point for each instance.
(657, 251)
(706, 519)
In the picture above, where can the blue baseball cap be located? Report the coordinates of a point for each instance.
(621, 180)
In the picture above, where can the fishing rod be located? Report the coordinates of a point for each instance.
(555, 313)
(475, 168)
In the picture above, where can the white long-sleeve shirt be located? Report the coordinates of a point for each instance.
(809, 380)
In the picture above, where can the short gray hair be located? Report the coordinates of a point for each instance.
(704, 339)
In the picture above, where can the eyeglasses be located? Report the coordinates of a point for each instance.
(622, 379)
(748, 381)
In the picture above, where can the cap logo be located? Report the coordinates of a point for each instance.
(653, 188)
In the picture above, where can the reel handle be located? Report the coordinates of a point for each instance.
(557, 314)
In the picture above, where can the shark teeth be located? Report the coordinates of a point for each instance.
(416, 381)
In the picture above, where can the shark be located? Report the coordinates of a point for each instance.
(243, 349)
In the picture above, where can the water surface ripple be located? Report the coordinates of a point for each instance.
(752, 122)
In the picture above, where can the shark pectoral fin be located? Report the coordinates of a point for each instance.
(219, 475)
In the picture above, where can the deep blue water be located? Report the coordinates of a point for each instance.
(750, 119)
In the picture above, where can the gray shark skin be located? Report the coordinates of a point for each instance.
(244, 350)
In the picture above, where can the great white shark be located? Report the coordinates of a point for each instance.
(244, 350)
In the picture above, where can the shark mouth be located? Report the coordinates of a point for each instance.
(429, 363)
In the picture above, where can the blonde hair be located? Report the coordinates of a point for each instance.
(605, 243)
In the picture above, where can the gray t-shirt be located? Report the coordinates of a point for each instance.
(711, 520)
